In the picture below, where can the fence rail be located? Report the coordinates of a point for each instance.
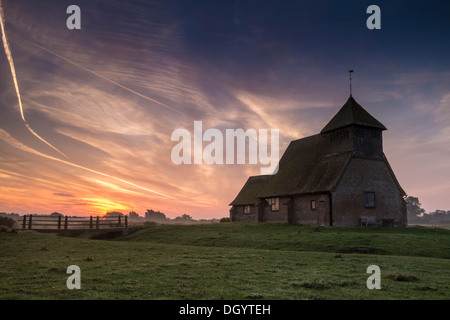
(65, 223)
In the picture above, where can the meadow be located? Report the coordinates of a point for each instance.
(229, 261)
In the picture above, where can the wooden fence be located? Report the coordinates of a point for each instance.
(65, 223)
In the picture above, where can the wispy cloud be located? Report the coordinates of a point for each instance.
(15, 143)
(442, 112)
(63, 194)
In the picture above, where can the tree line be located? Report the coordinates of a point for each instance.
(418, 215)
(149, 216)
(155, 216)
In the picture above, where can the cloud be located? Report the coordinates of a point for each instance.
(442, 112)
(63, 194)
(13, 142)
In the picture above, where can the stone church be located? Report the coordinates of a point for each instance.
(339, 177)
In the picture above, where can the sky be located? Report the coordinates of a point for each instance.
(98, 105)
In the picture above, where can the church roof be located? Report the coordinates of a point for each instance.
(306, 167)
(248, 193)
(352, 113)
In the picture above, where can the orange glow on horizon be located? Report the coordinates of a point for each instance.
(101, 206)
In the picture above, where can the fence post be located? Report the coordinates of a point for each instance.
(59, 222)
(125, 230)
(65, 223)
(29, 221)
(90, 222)
(24, 223)
(97, 223)
(119, 222)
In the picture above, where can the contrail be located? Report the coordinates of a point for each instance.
(6, 137)
(106, 79)
(16, 85)
(15, 143)
(10, 59)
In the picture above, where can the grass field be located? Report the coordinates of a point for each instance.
(229, 261)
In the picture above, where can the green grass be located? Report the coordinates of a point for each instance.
(229, 261)
(416, 241)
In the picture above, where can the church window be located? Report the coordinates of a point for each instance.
(359, 132)
(339, 135)
(375, 134)
(369, 199)
(274, 203)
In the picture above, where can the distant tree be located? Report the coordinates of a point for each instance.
(113, 214)
(439, 216)
(155, 216)
(10, 215)
(184, 218)
(416, 214)
(7, 221)
(414, 209)
(56, 214)
(133, 215)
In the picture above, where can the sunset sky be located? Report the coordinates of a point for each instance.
(100, 104)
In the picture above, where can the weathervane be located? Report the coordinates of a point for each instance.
(350, 73)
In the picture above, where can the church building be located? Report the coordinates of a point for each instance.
(338, 177)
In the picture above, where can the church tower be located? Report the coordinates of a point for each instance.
(354, 129)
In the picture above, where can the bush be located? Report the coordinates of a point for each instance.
(225, 220)
(106, 235)
(9, 222)
(402, 277)
(4, 229)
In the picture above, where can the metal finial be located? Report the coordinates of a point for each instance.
(350, 73)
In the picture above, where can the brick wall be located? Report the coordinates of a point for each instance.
(305, 214)
(237, 214)
(280, 216)
(372, 176)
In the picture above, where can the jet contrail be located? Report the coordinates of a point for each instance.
(15, 143)
(10, 59)
(16, 85)
(10, 140)
(6, 137)
(106, 79)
